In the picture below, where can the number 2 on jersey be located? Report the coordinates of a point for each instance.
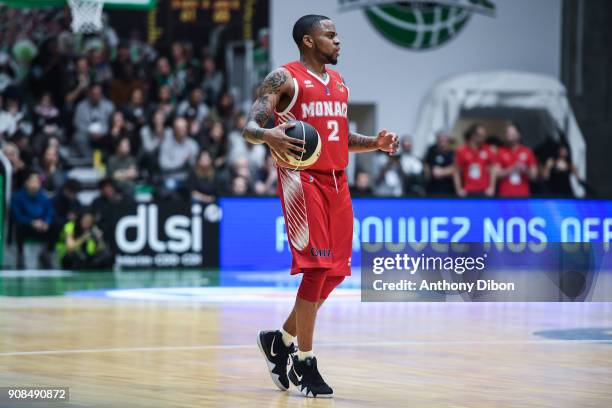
(333, 136)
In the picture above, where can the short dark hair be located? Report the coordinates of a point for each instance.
(471, 131)
(304, 26)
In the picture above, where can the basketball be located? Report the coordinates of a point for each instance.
(312, 145)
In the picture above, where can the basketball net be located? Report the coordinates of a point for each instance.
(86, 15)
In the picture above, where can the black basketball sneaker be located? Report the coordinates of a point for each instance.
(305, 376)
(271, 344)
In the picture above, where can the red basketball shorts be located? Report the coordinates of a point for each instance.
(318, 219)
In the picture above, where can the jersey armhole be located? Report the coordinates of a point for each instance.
(296, 90)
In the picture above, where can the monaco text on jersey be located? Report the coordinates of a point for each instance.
(324, 108)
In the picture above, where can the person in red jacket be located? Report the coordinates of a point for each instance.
(475, 165)
(517, 165)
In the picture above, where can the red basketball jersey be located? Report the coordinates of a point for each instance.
(324, 105)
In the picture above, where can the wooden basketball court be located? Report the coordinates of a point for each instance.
(113, 352)
(199, 350)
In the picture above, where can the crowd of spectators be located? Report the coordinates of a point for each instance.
(483, 165)
(160, 117)
(164, 117)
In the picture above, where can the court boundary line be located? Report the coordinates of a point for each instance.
(343, 344)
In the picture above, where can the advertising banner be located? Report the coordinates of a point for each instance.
(253, 234)
(166, 234)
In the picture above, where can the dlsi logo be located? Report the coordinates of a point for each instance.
(181, 232)
(419, 25)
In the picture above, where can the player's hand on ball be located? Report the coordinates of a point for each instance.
(283, 145)
(387, 142)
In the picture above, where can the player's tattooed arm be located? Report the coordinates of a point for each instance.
(385, 141)
(276, 85)
(269, 93)
(361, 143)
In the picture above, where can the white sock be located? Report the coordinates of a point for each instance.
(287, 338)
(303, 355)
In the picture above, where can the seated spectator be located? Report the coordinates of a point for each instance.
(389, 175)
(165, 101)
(266, 179)
(474, 173)
(11, 117)
(53, 141)
(151, 137)
(161, 76)
(82, 246)
(412, 169)
(362, 186)
(46, 113)
(91, 121)
(241, 169)
(212, 80)
(18, 166)
(119, 129)
(66, 204)
(225, 110)
(105, 206)
(122, 167)
(153, 133)
(438, 167)
(202, 182)
(557, 172)
(52, 174)
(194, 106)
(23, 143)
(32, 213)
(216, 143)
(240, 186)
(517, 165)
(178, 152)
(135, 110)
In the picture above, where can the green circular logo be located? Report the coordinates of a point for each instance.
(419, 25)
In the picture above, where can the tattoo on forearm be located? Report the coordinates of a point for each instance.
(359, 142)
(260, 112)
(258, 117)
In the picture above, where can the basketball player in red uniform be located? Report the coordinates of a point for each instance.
(316, 202)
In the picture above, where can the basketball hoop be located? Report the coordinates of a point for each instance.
(86, 15)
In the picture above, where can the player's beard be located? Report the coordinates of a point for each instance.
(329, 58)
